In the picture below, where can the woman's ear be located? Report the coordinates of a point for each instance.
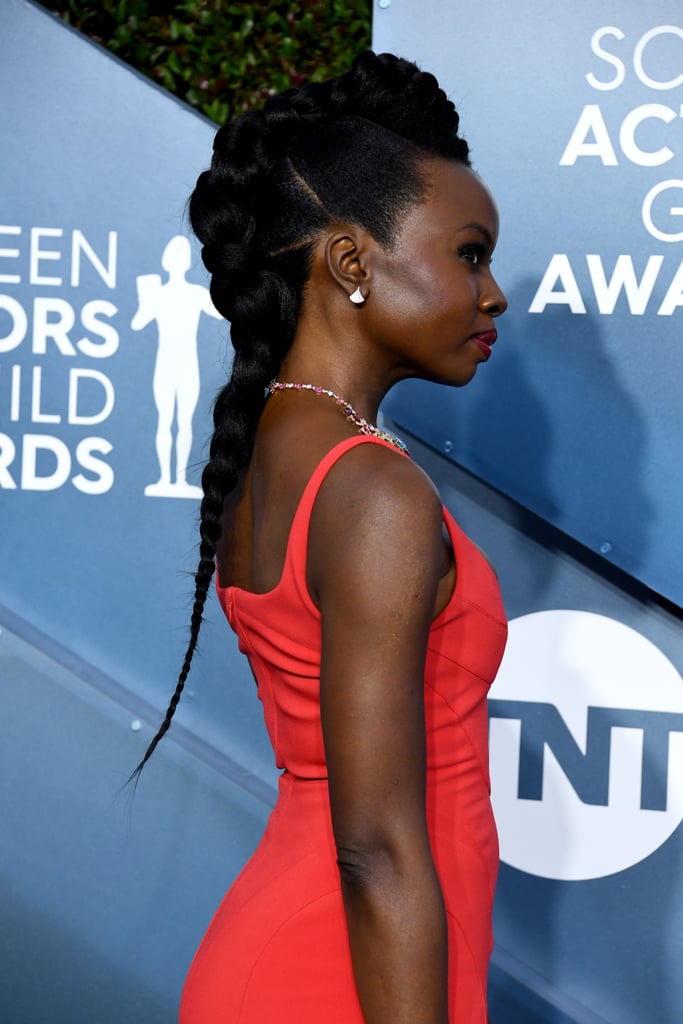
(346, 260)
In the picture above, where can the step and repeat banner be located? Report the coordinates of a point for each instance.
(574, 114)
(111, 352)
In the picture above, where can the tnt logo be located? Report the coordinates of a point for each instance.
(586, 733)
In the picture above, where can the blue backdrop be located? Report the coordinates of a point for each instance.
(576, 418)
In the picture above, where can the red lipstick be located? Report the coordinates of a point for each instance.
(484, 342)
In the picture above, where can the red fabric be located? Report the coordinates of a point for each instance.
(277, 948)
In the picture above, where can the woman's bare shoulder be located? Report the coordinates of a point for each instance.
(375, 479)
(377, 514)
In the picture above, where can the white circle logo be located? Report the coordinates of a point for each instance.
(586, 740)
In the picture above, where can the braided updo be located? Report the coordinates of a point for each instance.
(348, 149)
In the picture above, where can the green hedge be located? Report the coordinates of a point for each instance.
(223, 58)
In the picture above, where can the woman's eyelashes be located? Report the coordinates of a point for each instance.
(475, 253)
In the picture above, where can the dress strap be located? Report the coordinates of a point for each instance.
(297, 547)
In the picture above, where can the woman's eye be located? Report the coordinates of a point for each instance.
(472, 253)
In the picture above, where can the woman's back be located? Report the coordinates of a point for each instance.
(281, 927)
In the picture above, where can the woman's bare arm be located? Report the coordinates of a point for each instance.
(375, 558)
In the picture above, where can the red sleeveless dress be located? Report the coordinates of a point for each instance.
(277, 951)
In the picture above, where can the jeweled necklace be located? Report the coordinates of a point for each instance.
(348, 410)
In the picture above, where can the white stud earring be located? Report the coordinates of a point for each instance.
(357, 297)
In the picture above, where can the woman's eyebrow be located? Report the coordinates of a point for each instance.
(478, 227)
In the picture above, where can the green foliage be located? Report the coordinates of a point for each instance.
(224, 58)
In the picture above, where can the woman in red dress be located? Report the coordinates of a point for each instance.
(349, 244)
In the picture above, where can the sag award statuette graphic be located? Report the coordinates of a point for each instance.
(176, 306)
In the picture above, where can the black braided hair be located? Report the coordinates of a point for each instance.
(347, 149)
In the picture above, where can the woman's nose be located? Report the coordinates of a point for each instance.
(493, 300)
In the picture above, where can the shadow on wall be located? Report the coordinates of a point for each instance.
(573, 455)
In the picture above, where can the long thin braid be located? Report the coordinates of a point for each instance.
(228, 453)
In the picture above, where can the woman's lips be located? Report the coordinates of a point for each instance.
(484, 342)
